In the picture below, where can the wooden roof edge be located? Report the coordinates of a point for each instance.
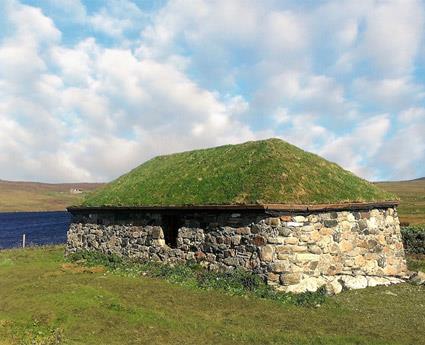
(333, 206)
(276, 207)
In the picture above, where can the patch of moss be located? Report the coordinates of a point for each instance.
(255, 172)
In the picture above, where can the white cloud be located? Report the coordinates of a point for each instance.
(404, 152)
(68, 10)
(104, 109)
(353, 150)
(394, 94)
(200, 73)
(314, 93)
(117, 17)
(392, 35)
(412, 115)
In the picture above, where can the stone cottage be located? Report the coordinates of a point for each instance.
(295, 219)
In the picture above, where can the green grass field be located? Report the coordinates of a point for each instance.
(412, 199)
(43, 300)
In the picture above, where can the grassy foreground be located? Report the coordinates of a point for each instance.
(44, 300)
(256, 172)
(412, 199)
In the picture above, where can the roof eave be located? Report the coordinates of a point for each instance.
(272, 207)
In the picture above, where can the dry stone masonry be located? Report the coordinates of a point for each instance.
(293, 252)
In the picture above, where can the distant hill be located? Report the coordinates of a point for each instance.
(34, 196)
(412, 199)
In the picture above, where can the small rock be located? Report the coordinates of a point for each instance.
(273, 221)
(293, 224)
(418, 278)
(333, 287)
(357, 282)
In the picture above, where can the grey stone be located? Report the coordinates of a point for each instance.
(330, 223)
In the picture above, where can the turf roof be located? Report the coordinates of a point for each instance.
(257, 172)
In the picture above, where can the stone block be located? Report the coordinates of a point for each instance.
(298, 249)
(291, 240)
(200, 256)
(330, 223)
(294, 224)
(273, 277)
(283, 256)
(266, 253)
(310, 284)
(307, 228)
(284, 231)
(275, 221)
(280, 266)
(326, 231)
(156, 232)
(333, 287)
(243, 230)
(236, 240)
(315, 236)
(313, 218)
(290, 278)
(283, 249)
(158, 242)
(357, 282)
(346, 246)
(276, 240)
(307, 257)
(259, 241)
(359, 261)
(299, 219)
(345, 226)
(375, 281)
(314, 249)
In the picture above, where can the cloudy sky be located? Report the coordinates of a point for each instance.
(91, 89)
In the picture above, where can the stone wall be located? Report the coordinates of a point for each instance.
(293, 252)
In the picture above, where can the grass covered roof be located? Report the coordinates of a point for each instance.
(257, 172)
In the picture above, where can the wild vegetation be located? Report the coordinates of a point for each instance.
(46, 300)
(191, 274)
(256, 172)
(32, 196)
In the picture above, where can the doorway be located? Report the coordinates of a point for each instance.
(170, 227)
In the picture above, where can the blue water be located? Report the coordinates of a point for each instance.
(38, 227)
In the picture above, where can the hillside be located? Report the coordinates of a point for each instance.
(256, 172)
(33, 196)
(412, 199)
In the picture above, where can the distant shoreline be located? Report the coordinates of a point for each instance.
(20, 196)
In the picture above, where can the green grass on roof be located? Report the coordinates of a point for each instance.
(256, 172)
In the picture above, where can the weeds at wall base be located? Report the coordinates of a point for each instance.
(191, 274)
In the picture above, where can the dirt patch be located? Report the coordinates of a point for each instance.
(74, 268)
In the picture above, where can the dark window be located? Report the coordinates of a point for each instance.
(170, 226)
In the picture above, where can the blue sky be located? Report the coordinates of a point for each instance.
(91, 89)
